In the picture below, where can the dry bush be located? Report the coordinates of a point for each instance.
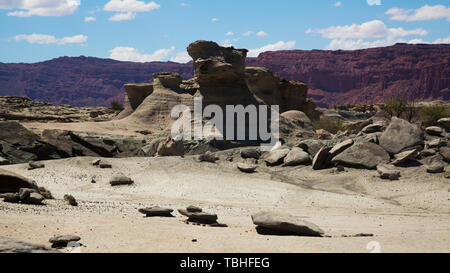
(331, 125)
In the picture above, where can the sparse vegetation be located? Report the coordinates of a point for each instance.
(398, 107)
(116, 106)
(432, 113)
(331, 125)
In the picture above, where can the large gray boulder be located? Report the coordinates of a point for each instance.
(296, 156)
(340, 147)
(12, 182)
(362, 155)
(400, 135)
(285, 224)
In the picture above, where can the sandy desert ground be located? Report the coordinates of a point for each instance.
(408, 215)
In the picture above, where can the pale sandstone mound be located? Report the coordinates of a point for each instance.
(220, 78)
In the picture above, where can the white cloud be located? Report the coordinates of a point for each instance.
(215, 20)
(89, 19)
(123, 16)
(442, 41)
(421, 14)
(127, 9)
(181, 57)
(132, 55)
(261, 33)
(28, 8)
(248, 33)
(229, 33)
(185, 4)
(281, 45)
(337, 4)
(372, 29)
(374, 2)
(44, 39)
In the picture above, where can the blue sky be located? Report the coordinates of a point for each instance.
(160, 30)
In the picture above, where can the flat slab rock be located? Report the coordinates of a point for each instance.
(285, 224)
(120, 180)
(276, 157)
(8, 245)
(388, 171)
(199, 216)
(156, 211)
(404, 157)
(63, 240)
(246, 168)
(363, 155)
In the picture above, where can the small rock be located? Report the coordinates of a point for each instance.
(35, 165)
(445, 153)
(10, 197)
(434, 130)
(387, 171)
(200, 217)
(296, 156)
(434, 143)
(70, 200)
(251, 153)
(435, 168)
(246, 168)
(427, 152)
(63, 240)
(156, 211)
(445, 122)
(194, 209)
(4, 161)
(120, 180)
(34, 199)
(404, 157)
(284, 224)
(208, 157)
(275, 157)
(104, 165)
(96, 162)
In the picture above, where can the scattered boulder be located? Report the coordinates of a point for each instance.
(70, 200)
(404, 157)
(252, 152)
(435, 167)
(63, 240)
(388, 171)
(35, 165)
(120, 180)
(208, 157)
(269, 222)
(339, 148)
(434, 131)
(372, 128)
(400, 135)
(312, 146)
(200, 217)
(156, 211)
(296, 156)
(8, 245)
(246, 168)
(275, 157)
(362, 155)
(320, 160)
(427, 152)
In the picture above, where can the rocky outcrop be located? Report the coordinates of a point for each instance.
(400, 135)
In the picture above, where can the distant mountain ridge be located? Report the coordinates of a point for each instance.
(415, 72)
